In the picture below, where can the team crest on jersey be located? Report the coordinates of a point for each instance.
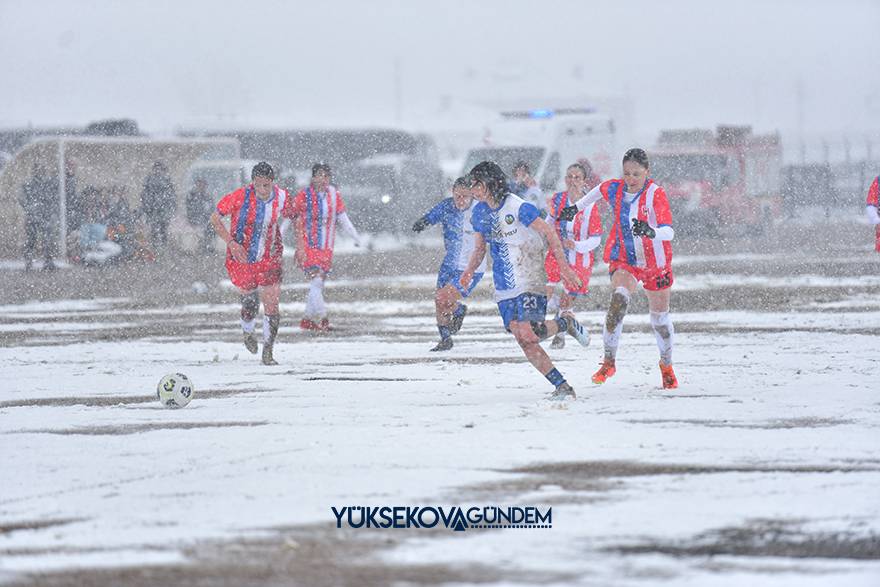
(509, 219)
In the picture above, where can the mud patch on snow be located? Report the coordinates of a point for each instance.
(113, 400)
(783, 423)
(138, 428)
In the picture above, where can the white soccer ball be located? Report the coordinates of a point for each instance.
(175, 390)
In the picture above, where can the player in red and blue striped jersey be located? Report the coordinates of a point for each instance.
(638, 250)
(253, 251)
(871, 207)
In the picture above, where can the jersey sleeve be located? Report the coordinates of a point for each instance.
(661, 208)
(874, 193)
(340, 204)
(437, 213)
(527, 213)
(229, 202)
(480, 220)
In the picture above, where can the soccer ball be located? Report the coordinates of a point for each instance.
(175, 390)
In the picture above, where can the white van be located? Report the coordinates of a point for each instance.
(549, 141)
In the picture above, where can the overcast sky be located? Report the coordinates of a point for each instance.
(681, 63)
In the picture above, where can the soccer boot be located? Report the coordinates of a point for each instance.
(268, 359)
(576, 330)
(669, 380)
(324, 325)
(456, 322)
(306, 324)
(250, 342)
(443, 345)
(605, 371)
(558, 341)
(563, 391)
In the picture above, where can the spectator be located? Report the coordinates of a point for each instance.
(76, 206)
(199, 206)
(158, 203)
(39, 200)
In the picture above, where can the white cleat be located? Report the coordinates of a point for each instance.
(580, 334)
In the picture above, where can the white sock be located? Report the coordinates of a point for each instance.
(247, 325)
(265, 329)
(315, 299)
(612, 339)
(665, 333)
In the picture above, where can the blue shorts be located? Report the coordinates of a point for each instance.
(453, 276)
(526, 307)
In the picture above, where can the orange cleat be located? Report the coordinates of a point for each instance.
(669, 380)
(605, 371)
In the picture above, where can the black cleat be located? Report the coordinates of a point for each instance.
(456, 322)
(443, 345)
(250, 342)
(267, 355)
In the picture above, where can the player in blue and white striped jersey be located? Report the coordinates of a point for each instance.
(458, 237)
(515, 234)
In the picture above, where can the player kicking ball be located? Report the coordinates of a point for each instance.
(458, 237)
(253, 252)
(515, 235)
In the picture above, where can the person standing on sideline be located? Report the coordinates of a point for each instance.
(455, 215)
(515, 235)
(158, 203)
(318, 208)
(579, 237)
(39, 201)
(638, 250)
(253, 252)
(871, 207)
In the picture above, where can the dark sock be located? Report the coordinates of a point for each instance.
(458, 311)
(562, 323)
(555, 377)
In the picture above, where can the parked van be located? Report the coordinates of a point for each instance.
(549, 141)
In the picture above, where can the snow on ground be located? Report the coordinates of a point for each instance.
(761, 469)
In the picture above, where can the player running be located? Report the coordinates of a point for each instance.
(513, 230)
(638, 250)
(871, 207)
(253, 251)
(579, 237)
(318, 208)
(458, 237)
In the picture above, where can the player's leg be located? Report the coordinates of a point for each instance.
(316, 310)
(563, 308)
(446, 301)
(270, 294)
(664, 332)
(250, 305)
(528, 336)
(623, 284)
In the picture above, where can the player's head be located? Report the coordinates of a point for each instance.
(575, 177)
(263, 177)
(521, 170)
(487, 180)
(635, 169)
(321, 175)
(461, 193)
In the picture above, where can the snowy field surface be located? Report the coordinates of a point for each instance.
(762, 468)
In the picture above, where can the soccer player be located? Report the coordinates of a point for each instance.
(638, 250)
(318, 208)
(253, 251)
(458, 237)
(871, 207)
(579, 237)
(525, 186)
(515, 234)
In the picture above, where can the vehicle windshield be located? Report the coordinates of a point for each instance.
(506, 157)
(680, 168)
(359, 180)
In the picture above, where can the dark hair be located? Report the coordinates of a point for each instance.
(524, 165)
(461, 182)
(637, 156)
(581, 167)
(490, 174)
(262, 169)
(325, 167)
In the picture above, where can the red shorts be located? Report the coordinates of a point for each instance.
(651, 279)
(553, 276)
(249, 276)
(318, 259)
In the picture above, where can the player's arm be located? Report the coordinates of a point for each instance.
(432, 217)
(545, 230)
(662, 231)
(588, 244)
(591, 197)
(235, 249)
(345, 222)
(476, 258)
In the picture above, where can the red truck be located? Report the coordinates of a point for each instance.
(729, 179)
